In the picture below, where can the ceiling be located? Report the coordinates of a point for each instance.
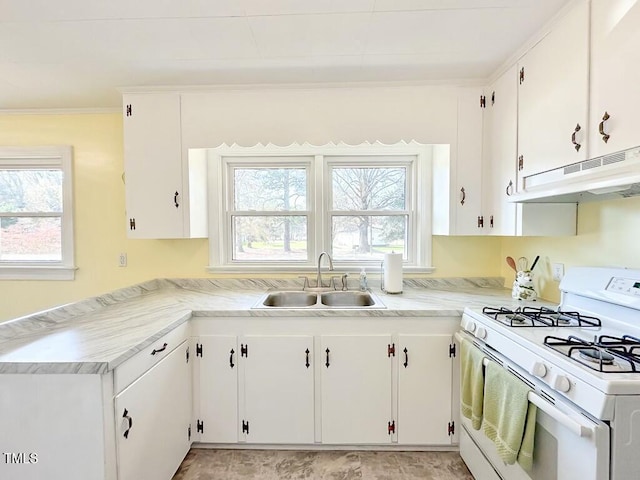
(76, 53)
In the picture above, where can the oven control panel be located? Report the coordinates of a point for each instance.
(624, 286)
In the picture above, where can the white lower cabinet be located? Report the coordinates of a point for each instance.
(127, 423)
(278, 389)
(356, 389)
(216, 368)
(329, 381)
(256, 389)
(425, 370)
(152, 420)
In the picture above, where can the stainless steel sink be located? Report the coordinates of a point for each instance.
(347, 299)
(328, 299)
(290, 299)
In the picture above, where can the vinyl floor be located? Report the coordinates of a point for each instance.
(207, 464)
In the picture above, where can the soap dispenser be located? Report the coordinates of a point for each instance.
(363, 280)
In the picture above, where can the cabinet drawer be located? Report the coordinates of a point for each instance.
(142, 361)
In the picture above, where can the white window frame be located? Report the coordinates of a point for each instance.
(54, 157)
(319, 235)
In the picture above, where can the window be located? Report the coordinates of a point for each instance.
(36, 225)
(282, 206)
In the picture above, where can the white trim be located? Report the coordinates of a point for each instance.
(37, 273)
(182, 89)
(419, 188)
(39, 157)
(61, 111)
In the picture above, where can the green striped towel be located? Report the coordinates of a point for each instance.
(471, 383)
(509, 419)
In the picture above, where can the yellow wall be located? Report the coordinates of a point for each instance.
(608, 235)
(100, 233)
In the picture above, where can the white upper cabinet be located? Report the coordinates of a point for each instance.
(499, 215)
(615, 76)
(500, 151)
(157, 180)
(553, 80)
(457, 182)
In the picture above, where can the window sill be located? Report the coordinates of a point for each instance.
(37, 272)
(283, 269)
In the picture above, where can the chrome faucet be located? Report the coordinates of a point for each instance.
(319, 283)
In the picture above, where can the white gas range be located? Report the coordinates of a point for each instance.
(582, 363)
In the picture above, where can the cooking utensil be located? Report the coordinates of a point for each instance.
(523, 263)
(512, 263)
(533, 265)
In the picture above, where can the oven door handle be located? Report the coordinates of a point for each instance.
(568, 421)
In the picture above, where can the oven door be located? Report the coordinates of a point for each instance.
(568, 444)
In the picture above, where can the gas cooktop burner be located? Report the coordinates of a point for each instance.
(540, 317)
(605, 353)
(596, 356)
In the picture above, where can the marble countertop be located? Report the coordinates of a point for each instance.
(98, 334)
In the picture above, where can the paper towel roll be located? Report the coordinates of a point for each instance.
(392, 273)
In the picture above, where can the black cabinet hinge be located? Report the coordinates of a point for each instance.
(481, 222)
(245, 427)
(452, 350)
(520, 162)
(187, 353)
(483, 101)
(451, 428)
(491, 221)
(129, 110)
(521, 75)
(493, 98)
(391, 350)
(199, 426)
(189, 432)
(132, 224)
(198, 350)
(244, 350)
(391, 427)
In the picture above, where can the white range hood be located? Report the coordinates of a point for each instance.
(611, 176)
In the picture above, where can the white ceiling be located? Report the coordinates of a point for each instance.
(76, 53)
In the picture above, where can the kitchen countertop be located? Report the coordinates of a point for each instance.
(98, 334)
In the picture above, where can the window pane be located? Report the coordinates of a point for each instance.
(372, 188)
(30, 239)
(30, 191)
(267, 238)
(368, 237)
(271, 189)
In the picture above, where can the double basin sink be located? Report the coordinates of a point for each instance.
(324, 299)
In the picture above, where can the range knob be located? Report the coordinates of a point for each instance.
(481, 333)
(561, 383)
(470, 326)
(538, 369)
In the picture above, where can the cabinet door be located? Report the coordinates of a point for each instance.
(424, 389)
(278, 389)
(153, 165)
(615, 75)
(152, 420)
(218, 388)
(500, 120)
(457, 172)
(553, 96)
(356, 389)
